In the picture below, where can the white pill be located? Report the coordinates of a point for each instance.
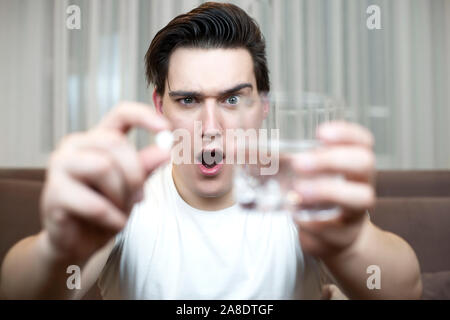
(164, 139)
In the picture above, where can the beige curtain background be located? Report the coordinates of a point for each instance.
(395, 81)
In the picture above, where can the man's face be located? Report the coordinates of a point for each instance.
(203, 85)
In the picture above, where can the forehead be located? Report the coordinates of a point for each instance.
(209, 70)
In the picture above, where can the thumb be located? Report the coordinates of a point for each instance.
(152, 157)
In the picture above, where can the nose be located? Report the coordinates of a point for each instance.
(211, 120)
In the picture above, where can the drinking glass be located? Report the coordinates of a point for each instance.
(268, 183)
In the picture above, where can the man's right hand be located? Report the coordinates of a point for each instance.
(94, 179)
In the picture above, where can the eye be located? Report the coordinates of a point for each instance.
(186, 100)
(233, 100)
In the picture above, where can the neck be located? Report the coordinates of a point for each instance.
(202, 203)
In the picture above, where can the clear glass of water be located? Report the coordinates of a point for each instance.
(291, 127)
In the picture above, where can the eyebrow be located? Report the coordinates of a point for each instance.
(180, 93)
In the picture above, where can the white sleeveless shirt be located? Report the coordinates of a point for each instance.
(170, 250)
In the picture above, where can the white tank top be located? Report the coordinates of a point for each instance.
(170, 250)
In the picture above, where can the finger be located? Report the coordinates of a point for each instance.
(69, 229)
(152, 157)
(98, 170)
(133, 114)
(82, 202)
(353, 196)
(353, 162)
(326, 292)
(345, 133)
(122, 153)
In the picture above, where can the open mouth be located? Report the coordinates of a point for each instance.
(210, 158)
(210, 161)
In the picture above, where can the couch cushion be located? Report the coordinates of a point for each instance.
(423, 223)
(436, 285)
(19, 208)
(23, 174)
(413, 183)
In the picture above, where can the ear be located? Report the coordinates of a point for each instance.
(157, 101)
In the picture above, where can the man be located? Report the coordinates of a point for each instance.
(186, 238)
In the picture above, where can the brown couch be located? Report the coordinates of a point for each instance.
(412, 204)
(416, 206)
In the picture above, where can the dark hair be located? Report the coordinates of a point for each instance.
(210, 25)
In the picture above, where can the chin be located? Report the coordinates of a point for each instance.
(213, 188)
(205, 186)
(212, 191)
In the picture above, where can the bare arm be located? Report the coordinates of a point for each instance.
(399, 267)
(350, 243)
(31, 271)
(93, 181)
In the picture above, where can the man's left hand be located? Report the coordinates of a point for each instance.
(347, 152)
